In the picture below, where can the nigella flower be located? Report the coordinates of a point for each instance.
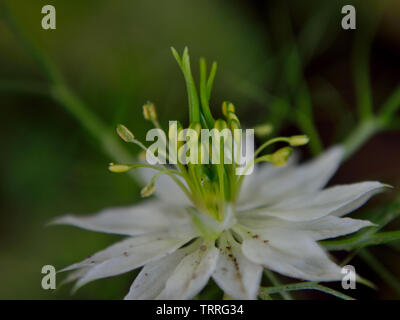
(205, 222)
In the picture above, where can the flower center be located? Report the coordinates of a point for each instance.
(212, 174)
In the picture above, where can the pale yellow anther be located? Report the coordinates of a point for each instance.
(296, 141)
(118, 168)
(227, 107)
(149, 111)
(125, 133)
(280, 157)
(263, 130)
(148, 190)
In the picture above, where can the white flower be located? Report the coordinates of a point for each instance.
(275, 223)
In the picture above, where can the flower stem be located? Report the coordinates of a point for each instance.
(365, 130)
(302, 286)
(275, 281)
(380, 269)
(362, 78)
(61, 93)
(391, 105)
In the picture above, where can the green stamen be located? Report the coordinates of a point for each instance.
(212, 186)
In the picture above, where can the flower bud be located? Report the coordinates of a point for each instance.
(125, 133)
(149, 111)
(281, 156)
(296, 141)
(118, 168)
(263, 130)
(148, 190)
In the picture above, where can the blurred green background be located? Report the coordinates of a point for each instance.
(115, 55)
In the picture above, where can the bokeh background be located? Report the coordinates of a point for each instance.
(115, 55)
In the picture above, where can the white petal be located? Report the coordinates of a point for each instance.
(359, 202)
(235, 274)
(74, 275)
(292, 255)
(152, 278)
(332, 227)
(127, 255)
(252, 183)
(123, 248)
(191, 274)
(293, 181)
(133, 220)
(318, 229)
(339, 199)
(166, 189)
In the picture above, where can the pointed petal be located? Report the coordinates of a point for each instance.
(294, 255)
(332, 227)
(152, 278)
(133, 220)
(262, 173)
(191, 274)
(363, 198)
(318, 229)
(127, 255)
(337, 200)
(235, 274)
(122, 248)
(74, 275)
(306, 178)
